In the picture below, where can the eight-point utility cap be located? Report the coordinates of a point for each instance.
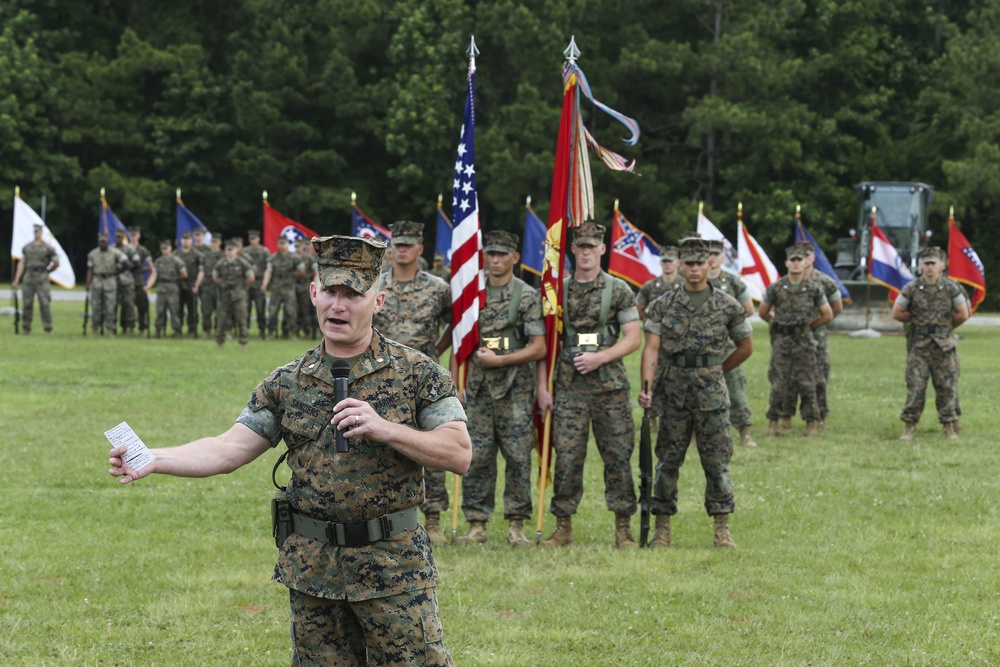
(693, 249)
(589, 233)
(407, 232)
(185, 235)
(795, 252)
(668, 252)
(348, 260)
(253, 234)
(929, 253)
(500, 241)
(714, 246)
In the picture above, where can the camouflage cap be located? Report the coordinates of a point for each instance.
(691, 235)
(407, 232)
(930, 253)
(119, 233)
(501, 241)
(238, 240)
(589, 233)
(693, 249)
(253, 234)
(714, 246)
(166, 243)
(438, 257)
(185, 235)
(134, 229)
(795, 252)
(198, 230)
(102, 236)
(347, 260)
(231, 243)
(668, 253)
(807, 247)
(37, 226)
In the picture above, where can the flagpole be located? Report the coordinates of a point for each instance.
(868, 280)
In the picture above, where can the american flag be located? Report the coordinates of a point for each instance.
(468, 284)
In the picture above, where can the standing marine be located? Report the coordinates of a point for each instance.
(38, 260)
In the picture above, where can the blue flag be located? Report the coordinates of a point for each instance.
(822, 263)
(533, 243)
(442, 242)
(108, 223)
(364, 227)
(188, 222)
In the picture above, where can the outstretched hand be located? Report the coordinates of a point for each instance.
(122, 470)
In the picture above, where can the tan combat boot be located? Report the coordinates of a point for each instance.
(949, 431)
(476, 535)
(515, 534)
(908, 431)
(786, 424)
(433, 528)
(623, 532)
(773, 430)
(661, 535)
(812, 429)
(562, 535)
(721, 536)
(746, 438)
(958, 426)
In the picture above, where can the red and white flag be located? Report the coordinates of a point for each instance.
(964, 264)
(277, 225)
(635, 256)
(756, 267)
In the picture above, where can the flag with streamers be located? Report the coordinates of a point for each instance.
(964, 264)
(468, 283)
(635, 256)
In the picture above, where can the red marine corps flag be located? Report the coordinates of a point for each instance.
(964, 264)
(571, 204)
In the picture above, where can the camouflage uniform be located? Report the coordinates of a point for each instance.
(736, 380)
(168, 276)
(793, 370)
(691, 390)
(37, 257)
(284, 265)
(822, 335)
(126, 287)
(104, 289)
(413, 312)
(256, 299)
(232, 298)
(209, 292)
(499, 404)
(138, 275)
(188, 300)
(370, 604)
(656, 288)
(307, 318)
(601, 398)
(931, 348)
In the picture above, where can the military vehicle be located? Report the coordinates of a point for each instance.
(900, 212)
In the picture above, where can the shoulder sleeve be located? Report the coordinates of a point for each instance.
(531, 311)
(261, 413)
(770, 294)
(437, 403)
(623, 301)
(903, 300)
(819, 299)
(654, 316)
(958, 296)
(739, 325)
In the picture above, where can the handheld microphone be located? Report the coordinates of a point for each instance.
(341, 369)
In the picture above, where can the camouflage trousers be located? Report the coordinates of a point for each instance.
(189, 308)
(614, 432)
(506, 425)
(715, 449)
(822, 381)
(209, 307)
(36, 289)
(256, 299)
(396, 631)
(126, 304)
(306, 313)
(939, 366)
(103, 299)
(232, 313)
(435, 492)
(283, 298)
(142, 306)
(168, 300)
(792, 374)
(739, 408)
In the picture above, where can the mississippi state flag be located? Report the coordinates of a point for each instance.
(964, 264)
(635, 257)
(885, 266)
(277, 225)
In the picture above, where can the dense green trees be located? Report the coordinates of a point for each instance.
(773, 103)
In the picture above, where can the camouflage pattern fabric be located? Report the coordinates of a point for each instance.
(402, 630)
(37, 258)
(600, 398)
(104, 287)
(126, 287)
(793, 369)
(694, 400)
(168, 293)
(209, 291)
(256, 299)
(413, 313)
(740, 413)
(306, 317)
(822, 336)
(656, 288)
(499, 404)
(232, 298)
(188, 299)
(931, 355)
(284, 266)
(141, 298)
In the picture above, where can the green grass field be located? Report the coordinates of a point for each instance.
(854, 548)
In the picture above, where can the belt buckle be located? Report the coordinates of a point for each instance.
(347, 533)
(587, 339)
(492, 343)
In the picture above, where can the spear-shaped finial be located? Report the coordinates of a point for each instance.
(102, 193)
(439, 199)
(572, 52)
(472, 53)
(798, 210)
(17, 190)
(265, 195)
(739, 210)
(354, 198)
(178, 193)
(616, 203)
(527, 201)
(701, 208)
(951, 212)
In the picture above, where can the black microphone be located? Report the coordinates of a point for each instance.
(341, 369)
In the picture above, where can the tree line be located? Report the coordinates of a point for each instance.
(770, 103)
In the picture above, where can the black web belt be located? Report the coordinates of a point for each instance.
(695, 360)
(355, 533)
(931, 330)
(789, 329)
